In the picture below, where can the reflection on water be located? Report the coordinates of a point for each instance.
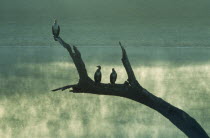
(28, 108)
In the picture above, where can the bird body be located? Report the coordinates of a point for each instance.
(113, 76)
(97, 76)
(56, 29)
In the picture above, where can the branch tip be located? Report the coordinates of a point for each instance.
(120, 43)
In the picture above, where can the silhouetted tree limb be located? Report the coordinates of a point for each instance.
(131, 89)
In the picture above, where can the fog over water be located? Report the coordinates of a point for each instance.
(167, 43)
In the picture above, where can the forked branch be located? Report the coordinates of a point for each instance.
(131, 89)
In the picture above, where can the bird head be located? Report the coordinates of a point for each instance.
(56, 21)
(99, 67)
(113, 69)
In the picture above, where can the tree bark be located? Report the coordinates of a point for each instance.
(131, 89)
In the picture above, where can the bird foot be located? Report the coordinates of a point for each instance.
(55, 38)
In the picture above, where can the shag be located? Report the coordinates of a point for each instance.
(55, 29)
(113, 76)
(97, 76)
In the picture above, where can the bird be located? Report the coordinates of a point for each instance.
(113, 76)
(97, 76)
(55, 29)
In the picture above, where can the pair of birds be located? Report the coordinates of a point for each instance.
(97, 76)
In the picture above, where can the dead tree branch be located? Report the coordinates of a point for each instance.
(131, 89)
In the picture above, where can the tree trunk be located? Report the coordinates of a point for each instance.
(131, 89)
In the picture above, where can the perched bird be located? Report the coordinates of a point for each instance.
(55, 29)
(113, 76)
(97, 76)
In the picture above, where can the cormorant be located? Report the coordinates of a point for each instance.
(55, 29)
(113, 76)
(97, 75)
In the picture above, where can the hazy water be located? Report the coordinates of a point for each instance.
(29, 109)
(186, 32)
(170, 58)
(167, 43)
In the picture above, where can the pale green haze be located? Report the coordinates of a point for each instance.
(167, 42)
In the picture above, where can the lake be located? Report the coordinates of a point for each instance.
(179, 75)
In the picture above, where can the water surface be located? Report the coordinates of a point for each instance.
(28, 107)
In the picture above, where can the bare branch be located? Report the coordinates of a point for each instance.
(76, 57)
(132, 90)
(131, 77)
(65, 87)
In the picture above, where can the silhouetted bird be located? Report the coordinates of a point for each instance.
(55, 29)
(97, 75)
(113, 76)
